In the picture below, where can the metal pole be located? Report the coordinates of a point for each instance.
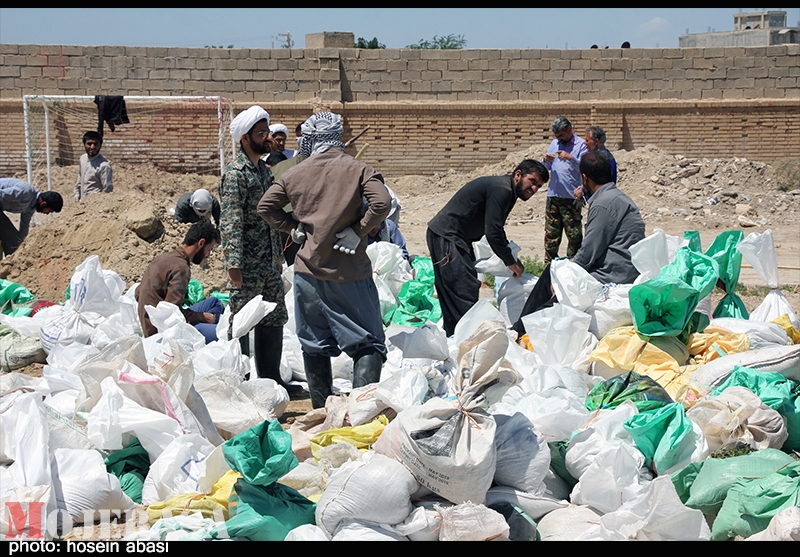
(27, 138)
(47, 141)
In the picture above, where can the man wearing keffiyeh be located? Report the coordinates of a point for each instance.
(336, 301)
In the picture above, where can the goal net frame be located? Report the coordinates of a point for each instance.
(41, 115)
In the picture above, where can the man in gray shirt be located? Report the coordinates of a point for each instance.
(613, 225)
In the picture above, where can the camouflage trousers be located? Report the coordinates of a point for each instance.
(562, 215)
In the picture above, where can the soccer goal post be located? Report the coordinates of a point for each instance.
(184, 134)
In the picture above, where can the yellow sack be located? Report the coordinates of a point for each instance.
(623, 350)
(362, 436)
(217, 500)
(714, 343)
(786, 324)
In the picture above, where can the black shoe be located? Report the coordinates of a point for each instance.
(267, 351)
(320, 379)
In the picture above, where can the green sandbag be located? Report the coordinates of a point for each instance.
(131, 466)
(416, 305)
(752, 503)
(774, 390)
(643, 391)
(704, 485)
(662, 436)
(664, 306)
(729, 260)
(12, 295)
(260, 508)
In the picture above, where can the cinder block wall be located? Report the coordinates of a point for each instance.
(434, 110)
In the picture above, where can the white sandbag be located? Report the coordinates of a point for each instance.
(403, 389)
(471, 522)
(560, 335)
(220, 355)
(482, 312)
(24, 440)
(573, 286)
(26, 326)
(760, 334)
(449, 445)
(486, 262)
(567, 524)
(363, 406)
(555, 412)
(656, 514)
(511, 295)
(18, 351)
(177, 470)
(523, 455)
(612, 310)
(306, 533)
(84, 488)
(427, 341)
(379, 490)
(116, 419)
(737, 415)
(534, 505)
(759, 251)
(652, 253)
(231, 409)
(604, 458)
(352, 530)
(250, 315)
(781, 359)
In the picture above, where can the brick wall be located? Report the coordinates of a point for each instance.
(434, 110)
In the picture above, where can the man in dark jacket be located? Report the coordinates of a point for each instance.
(480, 208)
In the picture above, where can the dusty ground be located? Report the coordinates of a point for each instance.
(129, 227)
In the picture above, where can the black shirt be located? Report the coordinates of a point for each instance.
(480, 208)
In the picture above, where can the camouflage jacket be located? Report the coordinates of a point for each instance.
(247, 241)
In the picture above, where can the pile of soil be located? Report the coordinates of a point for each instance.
(132, 225)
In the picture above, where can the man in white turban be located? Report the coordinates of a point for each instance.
(279, 135)
(336, 302)
(196, 205)
(251, 249)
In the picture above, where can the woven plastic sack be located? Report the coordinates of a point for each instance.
(667, 438)
(704, 485)
(665, 305)
(643, 391)
(260, 508)
(729, 259)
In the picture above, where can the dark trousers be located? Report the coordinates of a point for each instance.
(456, 280)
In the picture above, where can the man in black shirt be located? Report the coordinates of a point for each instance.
(480, 208)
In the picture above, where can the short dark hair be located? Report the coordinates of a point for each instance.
(529, 166)
(203, 229)
(598, 134)
(53, 200)
(92, 135)
(275, 158)
(597, 167)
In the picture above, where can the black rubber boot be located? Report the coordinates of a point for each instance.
(367, 368)
(319, 378)
(267, 351)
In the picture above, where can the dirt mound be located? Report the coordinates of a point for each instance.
(132, 225)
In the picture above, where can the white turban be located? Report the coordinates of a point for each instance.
(279, 128)
(201, 202)
(245, 121)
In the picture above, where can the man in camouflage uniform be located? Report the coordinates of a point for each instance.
(563, 213)
(251, 249)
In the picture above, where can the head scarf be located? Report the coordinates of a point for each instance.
(321, 132)
(245, 121)
(201, 201)
(279, 128)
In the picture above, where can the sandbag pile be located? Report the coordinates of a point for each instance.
(637, 413)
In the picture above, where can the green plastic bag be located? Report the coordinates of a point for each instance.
(752, 503)
(774, 390)
(13, 295)
(729, 259)
(704, 485)
(693, 237)
(260, 508)
(131, 466)
(223, 297)
(643, 391)
(664, 436)
(194, 293)
(415, 301)
(664, 306)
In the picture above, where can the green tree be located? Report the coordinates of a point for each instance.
(450, 42)
(373, 44)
